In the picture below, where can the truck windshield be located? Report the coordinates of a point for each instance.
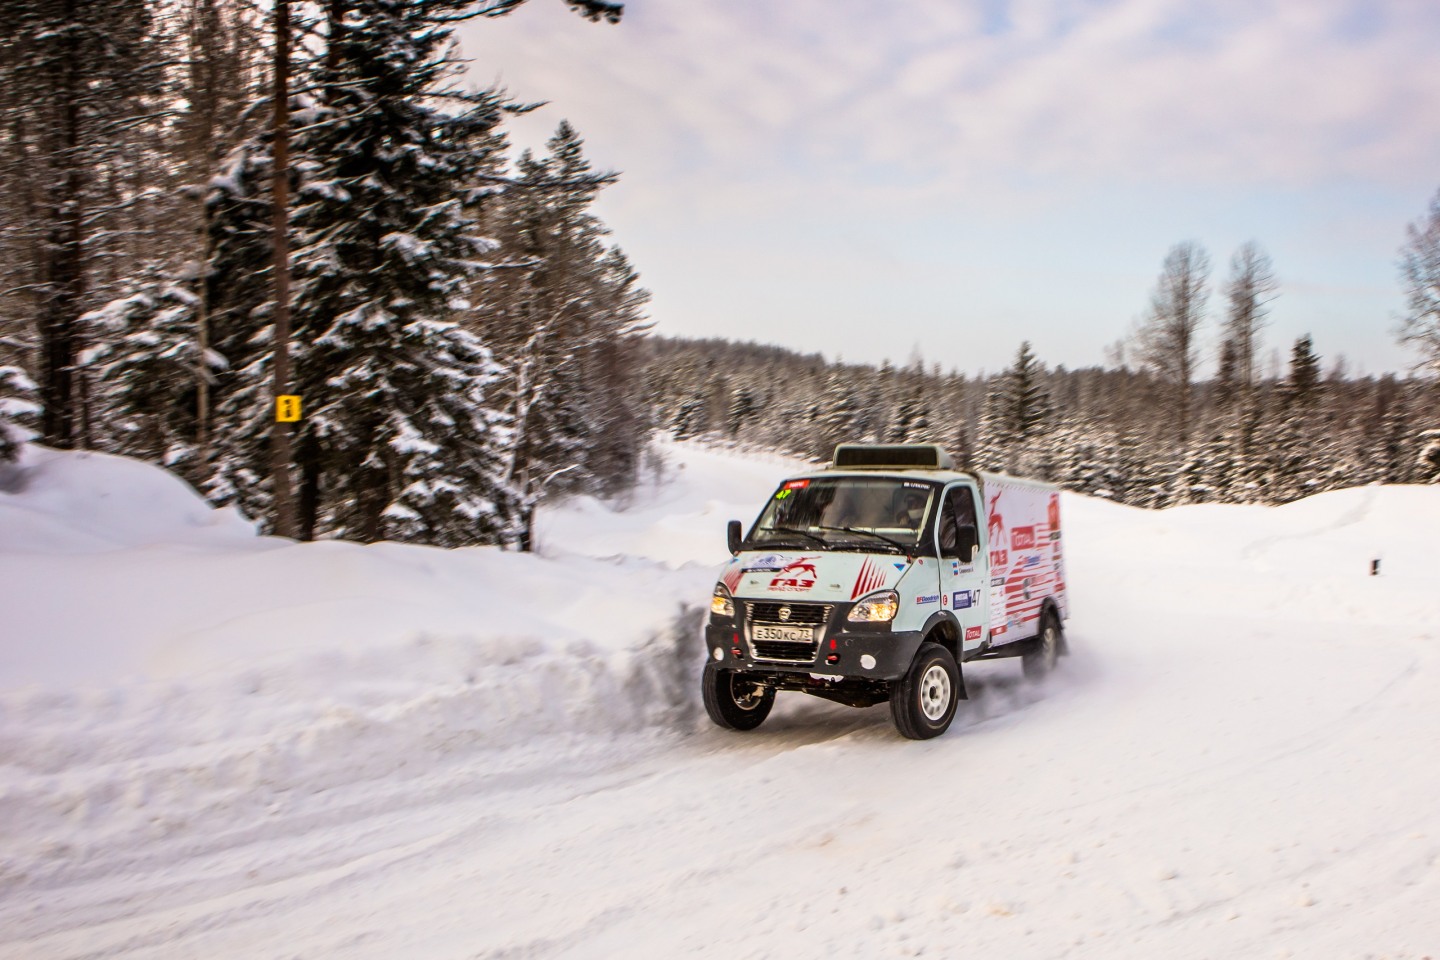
(870, 513)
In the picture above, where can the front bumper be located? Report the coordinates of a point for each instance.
(872, 652)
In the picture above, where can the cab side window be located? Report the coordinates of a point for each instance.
(960, 506)
(964, 504)
(949, 530)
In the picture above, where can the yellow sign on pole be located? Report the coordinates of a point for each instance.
(287, 408)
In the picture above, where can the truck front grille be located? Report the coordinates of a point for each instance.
(780, 614)
(799, 614)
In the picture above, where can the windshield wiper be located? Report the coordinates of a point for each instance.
(809, 536)
(903, 548)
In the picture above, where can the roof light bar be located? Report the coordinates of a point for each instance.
(890, 456)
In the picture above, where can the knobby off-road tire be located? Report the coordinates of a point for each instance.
(1040, 659)
(734, 701)
(922, 703)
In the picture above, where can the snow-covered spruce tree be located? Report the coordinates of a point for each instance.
(912, 418)
(1206, 472)
(147, 363)
(1303, 386)
(992, 451)
(689, 418)
(1065, 457)
(397, 439)
(836, 415)
(744, 407)
(1394, 453)
(18, 411)
(564, 323)
(1017, 412)
(1293, 446)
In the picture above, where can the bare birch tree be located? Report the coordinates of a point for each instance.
(1166, 343)
(1420, 272)
(1249, 290)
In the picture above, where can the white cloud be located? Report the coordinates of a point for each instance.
(1179, 90)
(753, 121)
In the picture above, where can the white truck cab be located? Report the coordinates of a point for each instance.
(876, 578)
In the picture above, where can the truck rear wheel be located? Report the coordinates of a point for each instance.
(734, 701)
(922, 703)
(1039, 660)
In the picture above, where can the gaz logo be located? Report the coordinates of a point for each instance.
(1022, 538)
(798, 574)
(999, 558)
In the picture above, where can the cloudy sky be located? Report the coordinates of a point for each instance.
(866, 178)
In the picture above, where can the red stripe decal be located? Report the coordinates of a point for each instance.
(869, 578)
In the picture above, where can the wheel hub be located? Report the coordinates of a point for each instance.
(935, 692)
(747, 695)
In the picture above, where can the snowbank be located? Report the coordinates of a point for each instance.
(53, 502)
(162, 662)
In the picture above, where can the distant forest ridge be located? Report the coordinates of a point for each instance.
(1109, 432)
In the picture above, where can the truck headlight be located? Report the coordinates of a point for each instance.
(876, 608)
(720, 603)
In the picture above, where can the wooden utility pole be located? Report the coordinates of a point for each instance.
(280, 448)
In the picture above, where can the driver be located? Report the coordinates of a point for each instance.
(911, 510)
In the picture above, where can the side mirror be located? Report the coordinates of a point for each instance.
(733, 536)
(969, 540)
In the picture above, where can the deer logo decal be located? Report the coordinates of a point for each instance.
(798, 574)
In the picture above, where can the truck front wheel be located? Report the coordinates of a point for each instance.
(734, 701)
(922, 703)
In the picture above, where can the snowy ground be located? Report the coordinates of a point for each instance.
(218, 745)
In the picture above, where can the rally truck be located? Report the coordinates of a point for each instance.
(879, 578)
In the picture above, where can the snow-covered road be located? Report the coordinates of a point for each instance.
(468, 754)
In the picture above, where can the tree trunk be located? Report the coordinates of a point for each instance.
(308, 455)
(63, 272)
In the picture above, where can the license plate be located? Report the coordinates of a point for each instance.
(802, 634)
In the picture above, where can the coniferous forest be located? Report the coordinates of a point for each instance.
(1108, 432)
(463, 332)
(458, 317)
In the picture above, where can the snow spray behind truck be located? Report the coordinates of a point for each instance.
(876, 579)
